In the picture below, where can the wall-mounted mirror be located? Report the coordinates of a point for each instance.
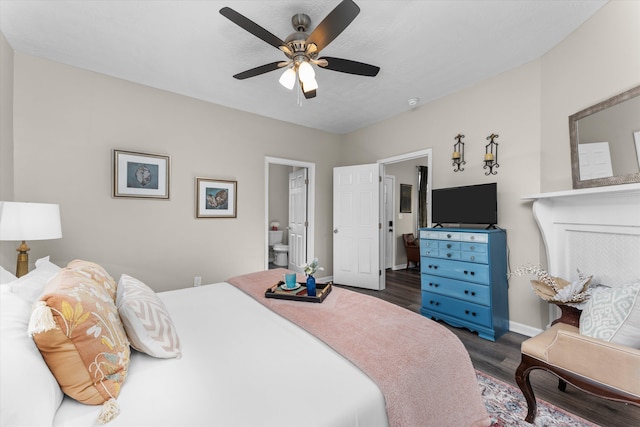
(605, 142)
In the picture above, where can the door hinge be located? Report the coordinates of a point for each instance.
(379, 178)
(306, 223)
(379, 226)
(379, 272)
(306, 181)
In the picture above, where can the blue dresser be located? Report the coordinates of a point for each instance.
(464, 279)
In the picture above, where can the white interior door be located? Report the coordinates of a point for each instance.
(356, 226)
(388, 224)
(297, 219)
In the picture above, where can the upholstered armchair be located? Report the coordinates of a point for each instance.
(412, 248)
(607, 370)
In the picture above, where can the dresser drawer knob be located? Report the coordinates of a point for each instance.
(449, 255)
(448, 245)
(472, 258)
(473, 237)
(473, 248)
(448, 236)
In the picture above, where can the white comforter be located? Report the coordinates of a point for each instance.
(242, 365)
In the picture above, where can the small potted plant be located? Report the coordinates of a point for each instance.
(310, 268)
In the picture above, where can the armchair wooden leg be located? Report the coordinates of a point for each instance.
(562, 384)
(522, 379)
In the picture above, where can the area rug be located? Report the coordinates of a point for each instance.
(507, 407)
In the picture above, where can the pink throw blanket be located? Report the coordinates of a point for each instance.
(422, 369)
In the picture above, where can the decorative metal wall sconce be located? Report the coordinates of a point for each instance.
(491, 155)
(458, 154)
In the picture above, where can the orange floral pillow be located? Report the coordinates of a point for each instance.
(97, 273)
(76, 326)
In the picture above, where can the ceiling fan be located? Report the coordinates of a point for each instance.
(302, 49)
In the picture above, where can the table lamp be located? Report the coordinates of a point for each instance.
(28, 221)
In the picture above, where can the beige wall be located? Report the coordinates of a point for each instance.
(404, 173)
(508, 105)
(598, 60)
(279, 195)
(68, 120)
(7, 249)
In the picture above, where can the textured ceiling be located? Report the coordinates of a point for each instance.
(425, 49)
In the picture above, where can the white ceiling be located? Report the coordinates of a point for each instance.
(425, 49)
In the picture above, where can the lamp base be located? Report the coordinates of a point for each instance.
(22, 267)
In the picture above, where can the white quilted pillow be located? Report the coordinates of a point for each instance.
(146, 319)
(614, 315)
(29, 393)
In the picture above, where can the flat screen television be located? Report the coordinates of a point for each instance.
(471, 204)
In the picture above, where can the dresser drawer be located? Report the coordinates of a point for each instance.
(448, 254)
(455, 246)
(429, 248)
(429, 244)
(473, 247)
(429, 234)
(468, 271)
(475, 237)
(462, 310)
(474, 257)
(472, 292)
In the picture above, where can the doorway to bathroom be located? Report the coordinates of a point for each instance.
(289, 213)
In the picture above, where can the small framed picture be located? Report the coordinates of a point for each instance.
(405, 198)
(140, 175)
(216, 198)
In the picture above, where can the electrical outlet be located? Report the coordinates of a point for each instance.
(197, 281)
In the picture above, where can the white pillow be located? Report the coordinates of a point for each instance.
(30, 286)
(613, 315)
(6, 277)
(146, 319)
(29, 393)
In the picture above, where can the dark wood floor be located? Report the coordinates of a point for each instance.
(501, 358)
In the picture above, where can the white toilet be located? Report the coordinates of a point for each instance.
(280, 250)
(274, 237)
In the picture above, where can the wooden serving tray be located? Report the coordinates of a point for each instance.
(300, 294)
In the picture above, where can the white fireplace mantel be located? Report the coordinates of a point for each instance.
(596, 230)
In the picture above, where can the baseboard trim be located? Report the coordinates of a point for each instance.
(523, 329)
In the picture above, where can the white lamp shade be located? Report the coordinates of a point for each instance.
(29, 221)
(288, 78)
(306, 72)
(309, 85)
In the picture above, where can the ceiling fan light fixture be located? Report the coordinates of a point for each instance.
(288, 78)
(309, 85)
(306, 72)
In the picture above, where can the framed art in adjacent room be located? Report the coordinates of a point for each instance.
(216, 198)
(405, 198)
(140, 175)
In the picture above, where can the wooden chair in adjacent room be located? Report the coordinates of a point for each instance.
(412, 247)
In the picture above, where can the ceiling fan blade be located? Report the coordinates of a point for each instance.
(258, 70)
(335, 23)
(309, 94)
(350, 67)
(255, 29)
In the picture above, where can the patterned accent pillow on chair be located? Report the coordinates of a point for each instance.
(613, 315)
(146, 319)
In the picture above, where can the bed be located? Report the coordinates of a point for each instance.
(244, 360)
